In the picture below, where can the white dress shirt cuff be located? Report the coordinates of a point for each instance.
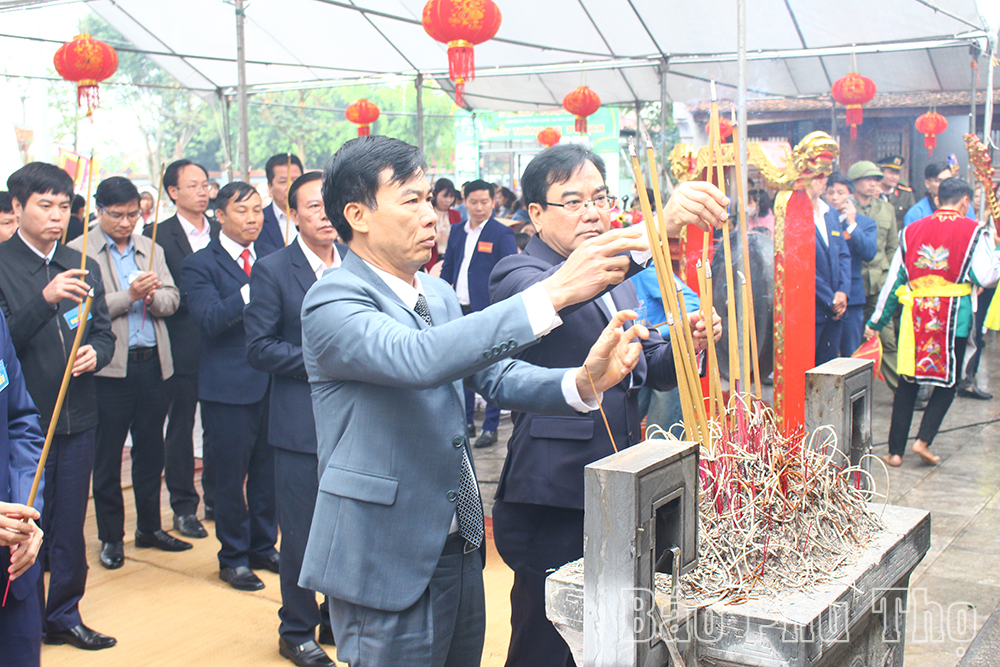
(642, 257)
(541, 313)
(245, 293)
(572, 396)
(850, 230)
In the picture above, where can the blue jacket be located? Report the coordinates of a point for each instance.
(273, 322)
(863, 245)
(833, 267)
(210, 283)
(20, 449)
(496, 241)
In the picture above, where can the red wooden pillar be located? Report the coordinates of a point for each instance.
(794, 305)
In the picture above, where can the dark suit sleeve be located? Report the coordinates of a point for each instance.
(23, 429)
(660, 371)
(449, 268)
(263, 320)
(29, 318)
(824, 290)
(214, 315)
(864, 240)
(99, 333)
(845, 265)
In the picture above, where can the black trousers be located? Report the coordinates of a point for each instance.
(136, 403)
(982, 306)
(241, 457)
(533, 539)
(178, 466)
(937, 407)
(67, 487)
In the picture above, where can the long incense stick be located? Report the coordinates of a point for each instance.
(156, 215)
(744, 291)
(601, 408)
(745, 240)
(86, 213)
(76, 177)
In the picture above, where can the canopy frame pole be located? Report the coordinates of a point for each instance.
(988, 115)
(225, 132)
(241, 91)
(665, 102)
(419, 83)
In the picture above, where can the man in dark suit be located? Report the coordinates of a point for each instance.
(273, 322)
(538, 513)
(833, 274)
(281, 170)
(20, 449)
(181, 235)
(474, 248)
(42, 289)
(216, 283)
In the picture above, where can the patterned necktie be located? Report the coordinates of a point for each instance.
(245, 256)
(469, 505)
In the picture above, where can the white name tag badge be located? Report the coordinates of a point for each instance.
(73, 317)
(4, 380)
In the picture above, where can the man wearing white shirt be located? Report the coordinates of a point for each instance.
(397, 534)
(273, 323)
(281, 170)
(833, 274)
(215, 282)
(180, 235)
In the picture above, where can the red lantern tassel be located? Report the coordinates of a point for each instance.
(581, 124)
(854, 118)
(461, 60)
(89, 93)
(364, 130)
(930, 141)
(460, 92)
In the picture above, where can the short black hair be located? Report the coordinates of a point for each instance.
(41, 178)
(476, 186)
(6, 202)
(354, 174)
(115, 190)
(522, 240)
(555, 165)
(173, 172)
(293, 192)
(934, 168)
(280, 160)
(234, 191)
(837, 177)
(952, 190)
(444, 185)
(79, 203)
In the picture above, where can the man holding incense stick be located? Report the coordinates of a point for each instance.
(538, 513)
(42, 289)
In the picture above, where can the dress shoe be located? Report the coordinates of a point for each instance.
(189, 526)
(470, 431)
(159, 540)
(81, 637)
(209, 513)
(968, 390)
(241, 578)
(326, 635)
(305, 655)
(486, 439)
(271, 563)
(112, 555)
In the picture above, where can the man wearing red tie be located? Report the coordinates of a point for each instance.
(234, 397)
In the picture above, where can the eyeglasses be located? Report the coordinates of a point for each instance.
(577, 206)
(118, 215)
(202, 187)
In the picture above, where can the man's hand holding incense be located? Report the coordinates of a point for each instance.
(596, 263)
(612, 357)
(696, 203)
(19, 532)
(699, 332)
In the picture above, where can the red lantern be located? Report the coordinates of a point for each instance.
(852, 91)
(549, 136)
(363, 113)
(581, 102)
(931, 124)
(461, 24)
(725, 128)
(86, 61)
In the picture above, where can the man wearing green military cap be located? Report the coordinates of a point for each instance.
(867, 176)
(899, 196)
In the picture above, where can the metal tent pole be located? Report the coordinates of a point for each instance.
(988, 116)
(741, 99)
(241, 92)
(420, 111)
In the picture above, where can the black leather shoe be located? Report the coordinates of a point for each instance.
(112, 555)
(972, 391)
(305, 655)
(487, 439)
(470, 431)
(271, 563)
(160, 540)
(189, 526)
(241, 578)
(209, 513)
(326, 635)
(81, 637)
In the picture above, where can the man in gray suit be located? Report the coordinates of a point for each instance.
(397, 535)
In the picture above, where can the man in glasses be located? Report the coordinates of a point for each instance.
(538, 513)
(474, 248)
(131, 394)
(180, 235)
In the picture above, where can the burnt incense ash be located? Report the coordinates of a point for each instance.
(777, 512)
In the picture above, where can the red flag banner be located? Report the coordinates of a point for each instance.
(871, 349)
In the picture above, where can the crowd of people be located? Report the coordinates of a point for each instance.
(338, 406)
